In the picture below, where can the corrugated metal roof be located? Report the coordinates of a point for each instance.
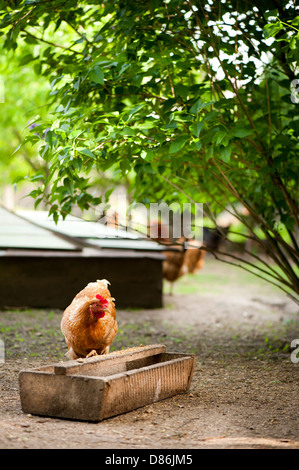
(15, 232)
(76, 227)
(93, 233)
(126, 244)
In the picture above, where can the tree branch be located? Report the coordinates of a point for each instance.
(52, 43)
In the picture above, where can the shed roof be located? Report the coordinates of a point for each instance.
(94, 233)
(76, 227)
(17, 232)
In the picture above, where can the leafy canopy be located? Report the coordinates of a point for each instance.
(192, 97)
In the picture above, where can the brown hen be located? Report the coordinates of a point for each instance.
(89, 323)
(172, 265)
(194, 260)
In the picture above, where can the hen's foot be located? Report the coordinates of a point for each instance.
(92, 353)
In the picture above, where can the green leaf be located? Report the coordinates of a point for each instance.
(225, 153)
(197, 145)
(37, 177)
(55, 217)
(17, 179)
(27, 58)
(148, 154)
(68, 184)
(182, 91)
(75, 134)
(219, 136)
(199, 105)
(148, 169)
(31, 40)
(178, 144)
(96, 75)
(87, 152)
(271, 29)
(18, 148)
(77, 164)
(128, 131)
(34, 193)
(37, 202)
(133, 111)
(124, 67)
(209, 153)
(171, 125)
(108, 194)
(50, 137)
(147, 125)
(241, 132)
(195, 128)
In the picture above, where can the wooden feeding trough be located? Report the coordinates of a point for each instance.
(96, 388)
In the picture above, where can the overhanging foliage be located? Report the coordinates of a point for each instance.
(192, 97)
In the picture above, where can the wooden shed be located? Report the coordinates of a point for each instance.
(42, 265)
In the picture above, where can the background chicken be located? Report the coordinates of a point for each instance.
(172, 265)
(179, 260)
(89, 322)
(193, 260)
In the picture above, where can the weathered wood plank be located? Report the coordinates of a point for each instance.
(109, 363)
(61, 396)
(136, 388)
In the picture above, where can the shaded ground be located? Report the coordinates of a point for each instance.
(244, 393)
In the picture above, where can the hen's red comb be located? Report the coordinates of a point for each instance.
(102, 299)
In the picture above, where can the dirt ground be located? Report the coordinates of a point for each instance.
(244, 392)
